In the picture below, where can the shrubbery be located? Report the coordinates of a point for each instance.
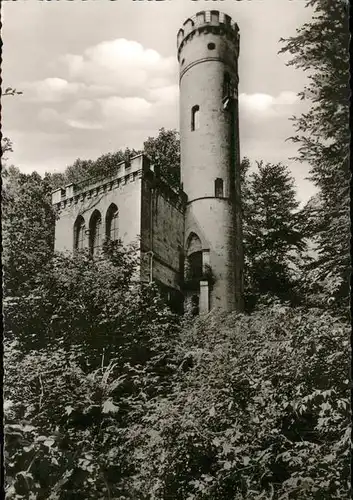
(83, 351)
(259, 408)
(231, 406)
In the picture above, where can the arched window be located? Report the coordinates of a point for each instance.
(95, 231)
(111, 225)
(195, 117)
(79, 233)
(218, 188)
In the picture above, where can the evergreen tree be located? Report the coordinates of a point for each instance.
(321, 48)
(273, 237)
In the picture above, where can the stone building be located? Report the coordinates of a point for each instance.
(190, 239)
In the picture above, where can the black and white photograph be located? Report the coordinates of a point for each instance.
(176, 249)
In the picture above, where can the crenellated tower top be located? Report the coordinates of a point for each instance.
(211, 21)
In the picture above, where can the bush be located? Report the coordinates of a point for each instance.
(108, 396)
(259, 409)
(83, 351)
(96, 304)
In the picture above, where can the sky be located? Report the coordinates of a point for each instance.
(100, 75)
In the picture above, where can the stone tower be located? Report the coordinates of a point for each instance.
(208, 49)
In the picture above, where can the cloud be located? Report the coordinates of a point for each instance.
(117, 83)
(164, 95)
(52, 89)
(49, 115)
(126, 110)
(265, 105)
(84, 125)
(80, 116)
(265, 119)
(128, 68)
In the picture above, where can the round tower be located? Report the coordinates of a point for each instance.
(208, 49)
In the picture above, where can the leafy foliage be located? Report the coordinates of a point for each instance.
(164, 153)
(6, 147)
(105, 338)
(104, 166)
(28, 228)
(233, 406)
(258, 409)
(107, 396)
(321, 48)
(91, 303)
(11, 91)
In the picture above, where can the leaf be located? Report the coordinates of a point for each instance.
(49, 442)
(40, 439)
(68, 410)
(27, 449)
(109, 407)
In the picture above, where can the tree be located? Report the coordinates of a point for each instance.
(320, 47)
(164, 153)
(84, 349)
(104, 166)
(28, 229)
(6, 147)
(273, 236)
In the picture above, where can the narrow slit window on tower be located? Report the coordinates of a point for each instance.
(218, 187)
(195, 117)
(227, 85)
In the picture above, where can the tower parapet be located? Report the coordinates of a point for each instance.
(208, 22)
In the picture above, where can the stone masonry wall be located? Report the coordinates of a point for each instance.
(124, 190)
(162, 231)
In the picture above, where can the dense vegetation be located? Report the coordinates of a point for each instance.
(229, 407)
(109, 395)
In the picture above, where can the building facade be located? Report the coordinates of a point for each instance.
(190, 239)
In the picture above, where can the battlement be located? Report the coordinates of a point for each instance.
(125, 172)
(206, 20)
